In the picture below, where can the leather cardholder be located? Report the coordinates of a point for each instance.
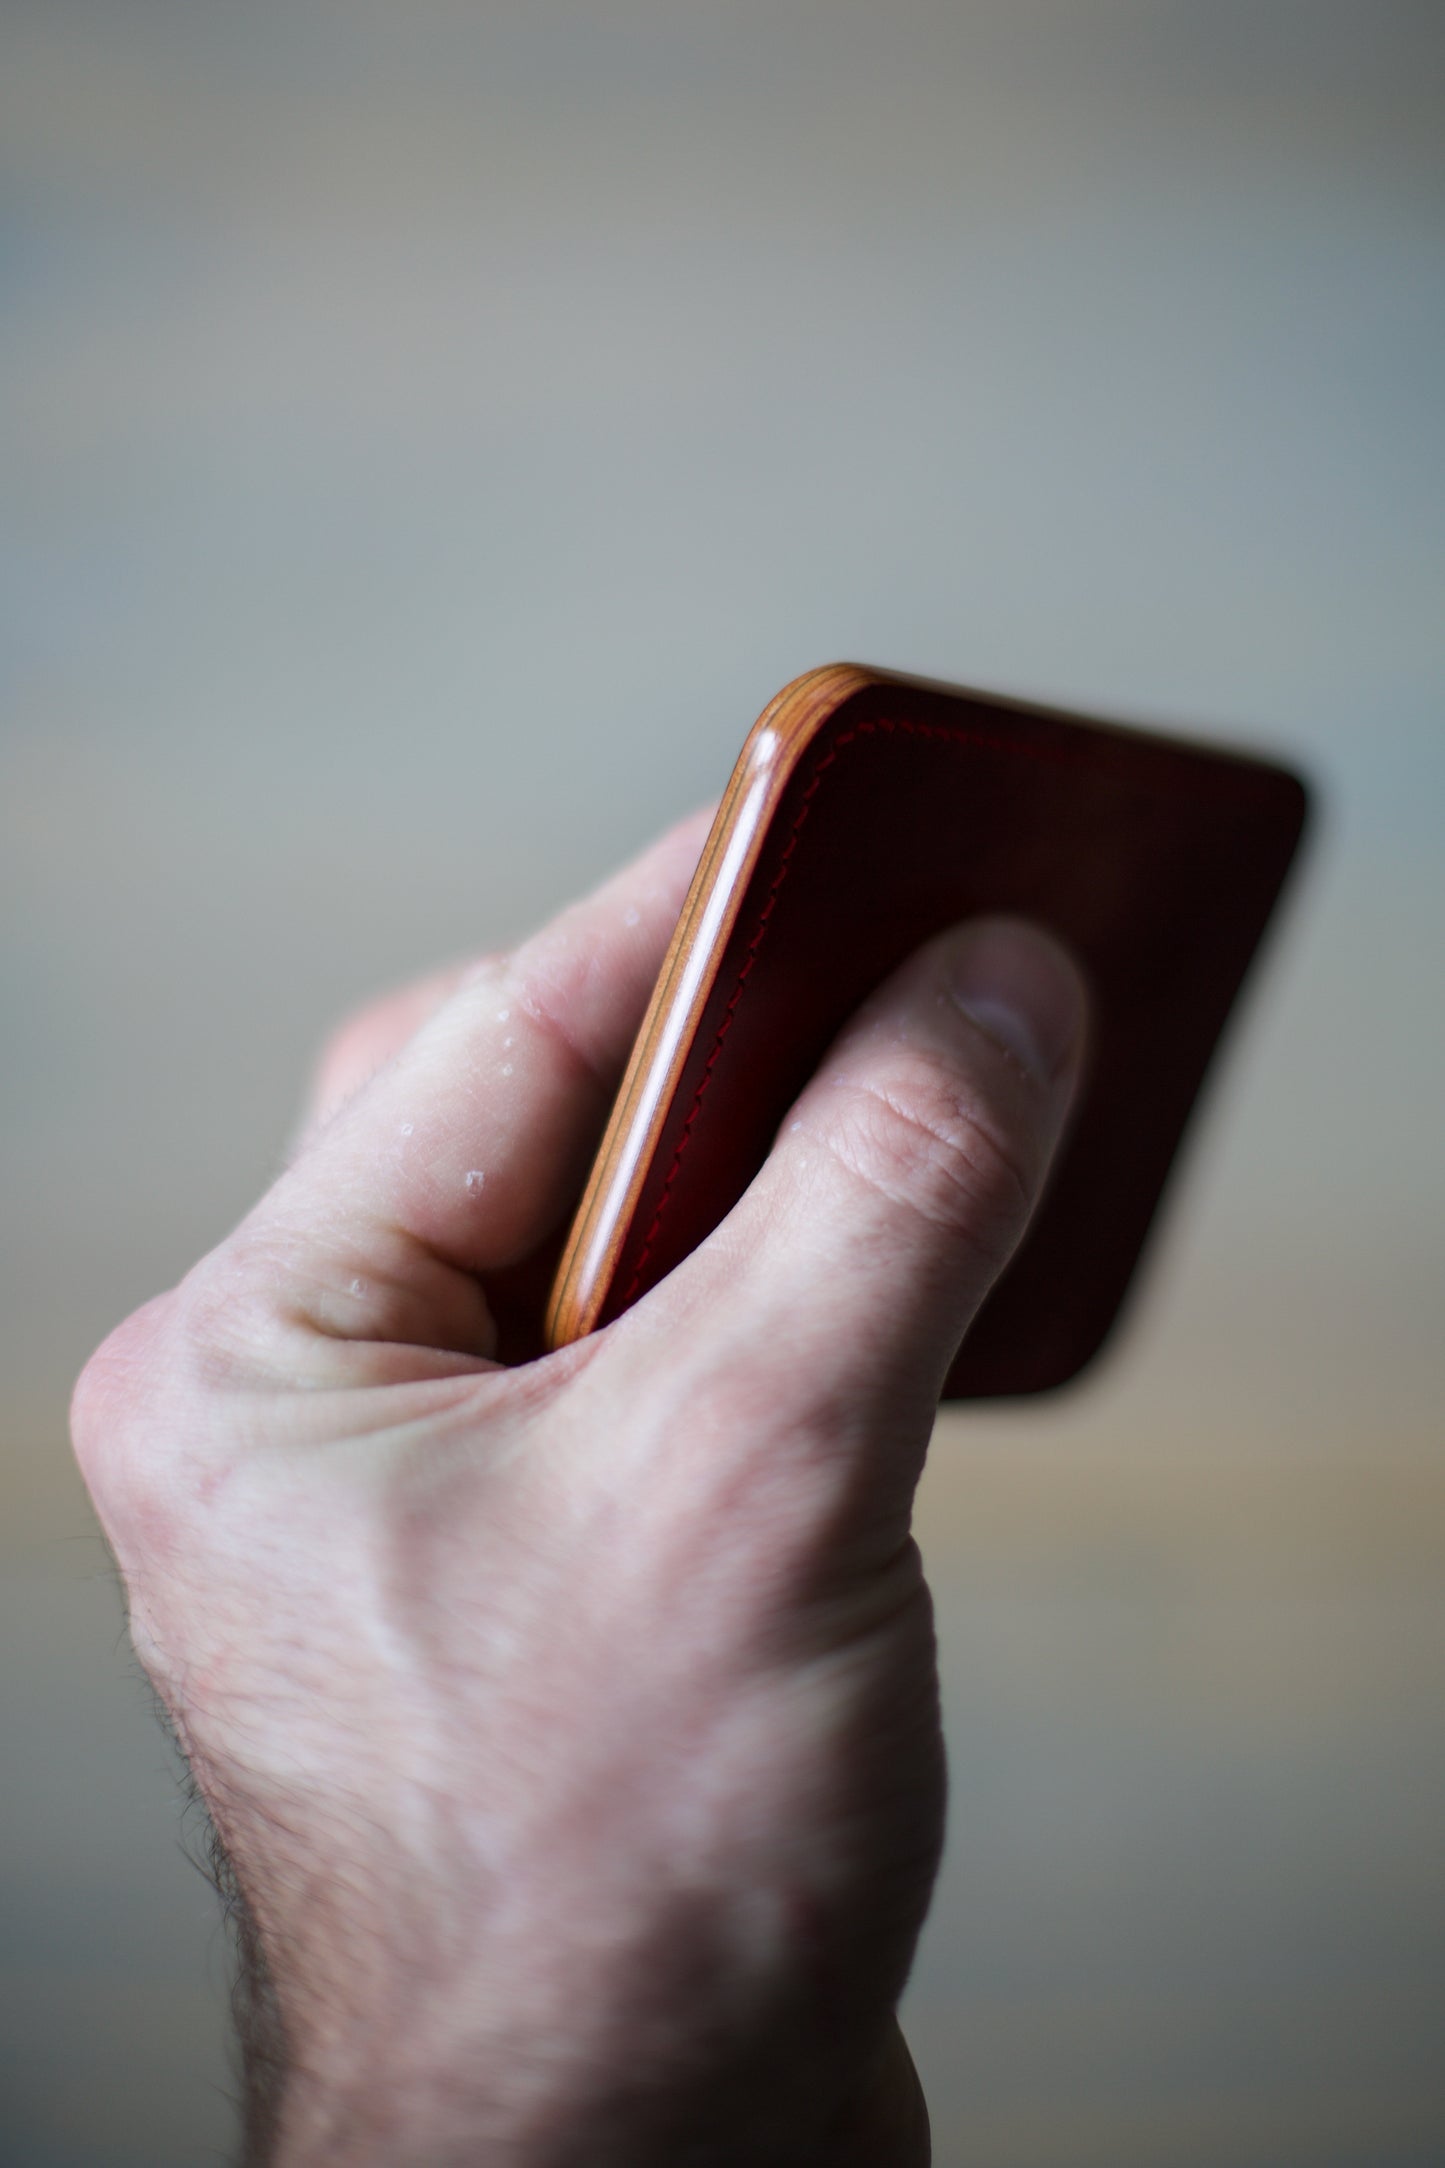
(866, 813)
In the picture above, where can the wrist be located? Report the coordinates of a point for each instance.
(446, 2087)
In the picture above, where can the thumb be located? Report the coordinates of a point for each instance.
(901, 1184)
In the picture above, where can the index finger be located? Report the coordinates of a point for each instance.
(461, 1153)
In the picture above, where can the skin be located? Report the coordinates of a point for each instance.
(571, 1723)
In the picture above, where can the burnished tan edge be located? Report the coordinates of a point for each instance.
(684, 986)
(791, 720)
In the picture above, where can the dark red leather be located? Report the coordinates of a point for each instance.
(913, 807)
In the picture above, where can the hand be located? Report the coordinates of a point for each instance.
(572, 1726)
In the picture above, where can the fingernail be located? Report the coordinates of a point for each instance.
(1020, 988)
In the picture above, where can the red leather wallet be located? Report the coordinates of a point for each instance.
(866, 813)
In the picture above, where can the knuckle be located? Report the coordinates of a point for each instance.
(223, 1310)
(146, 1406)
(550, 979)
(926, 1143)
(114, 1402)
(366, 1039)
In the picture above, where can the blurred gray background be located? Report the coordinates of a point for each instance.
(428, 433)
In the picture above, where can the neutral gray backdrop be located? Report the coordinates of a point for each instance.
(428, 433)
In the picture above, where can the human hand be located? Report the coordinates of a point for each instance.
(572, 1725)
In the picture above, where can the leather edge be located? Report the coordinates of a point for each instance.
(769, 757)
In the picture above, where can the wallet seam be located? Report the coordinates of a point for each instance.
(947, 734)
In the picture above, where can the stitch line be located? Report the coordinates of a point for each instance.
(867, 728)
(951, 734)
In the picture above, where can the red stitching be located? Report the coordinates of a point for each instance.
(948, 734)
(954, 736)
